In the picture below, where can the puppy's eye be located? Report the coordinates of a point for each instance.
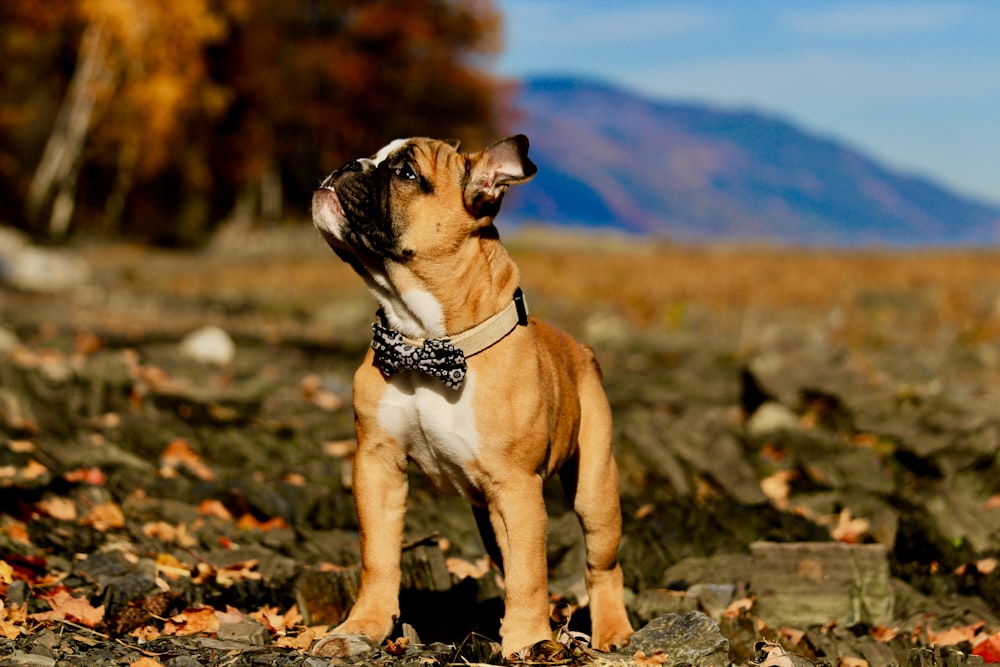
(406, 172)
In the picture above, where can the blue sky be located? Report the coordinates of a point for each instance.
(915, 84)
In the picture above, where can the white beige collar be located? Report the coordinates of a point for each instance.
(485, 334)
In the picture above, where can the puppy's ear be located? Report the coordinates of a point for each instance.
(493, 170)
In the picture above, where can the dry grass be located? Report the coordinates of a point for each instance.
(649, 284)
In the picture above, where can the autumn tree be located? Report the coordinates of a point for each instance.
(175, 114)
(317, 83)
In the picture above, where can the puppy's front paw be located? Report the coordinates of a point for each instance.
(608, 639)
(610, 630)
(375, 627)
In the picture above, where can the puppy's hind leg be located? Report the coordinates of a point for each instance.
(592, 487)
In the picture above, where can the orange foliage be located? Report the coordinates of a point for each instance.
(198, 101)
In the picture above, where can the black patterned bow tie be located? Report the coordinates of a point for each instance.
(437, 358)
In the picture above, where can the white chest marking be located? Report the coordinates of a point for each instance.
(436, 425)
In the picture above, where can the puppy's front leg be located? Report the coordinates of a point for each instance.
(380, 489)
(517, 515)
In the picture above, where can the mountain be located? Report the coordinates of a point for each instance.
(609, 158)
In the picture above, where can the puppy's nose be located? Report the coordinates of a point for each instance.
(353, 165)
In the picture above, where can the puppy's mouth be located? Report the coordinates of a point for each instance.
(332, 224)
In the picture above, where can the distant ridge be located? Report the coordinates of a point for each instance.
(610, 158)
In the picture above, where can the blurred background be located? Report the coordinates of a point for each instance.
(806, 123)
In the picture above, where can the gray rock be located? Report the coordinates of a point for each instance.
(655, 602)
(245, 630)
(690, 639)
(20, 658)
(811, 583)
(713, 599)
(41, 269)
(209, 345)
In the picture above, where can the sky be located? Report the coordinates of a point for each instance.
(914, 84)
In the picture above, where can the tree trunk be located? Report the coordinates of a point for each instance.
(52, 194)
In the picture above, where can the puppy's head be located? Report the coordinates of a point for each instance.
(414, 199)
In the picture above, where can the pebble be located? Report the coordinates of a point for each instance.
(770, 417)
(209, 345)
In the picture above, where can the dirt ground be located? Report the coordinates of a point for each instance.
(139, 485)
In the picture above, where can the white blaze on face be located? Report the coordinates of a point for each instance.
(384, 152)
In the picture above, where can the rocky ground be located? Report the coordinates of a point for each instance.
(177, 445)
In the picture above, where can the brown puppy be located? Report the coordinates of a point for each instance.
(488, 402)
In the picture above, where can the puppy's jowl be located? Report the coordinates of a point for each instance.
(486, 400)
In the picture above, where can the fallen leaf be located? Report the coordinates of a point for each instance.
(768, 654)
(275, 621)
(230, 615)
(86, 343)
(170, 533)
(57, 507)
(777, 487)
(300, 642)
(992, 502)
(988, 648)
(15, 530)
(850, 530)
(986, 566)
(192, 621)
(180, 455)
(791, 635)
(658, 657)
(644, 511)
(544, 651)
(92, 476)
(146, 632)
(65, 606)
(772, 454)
(105, 516)
(397, 647)
(215, 508)
(228, 575)
(952, 636)
(848, 661)
(738, 607)
(250, 522)
(11, 631)
(884, 633)
(464, 569)
(21, 446)
(295, 479)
